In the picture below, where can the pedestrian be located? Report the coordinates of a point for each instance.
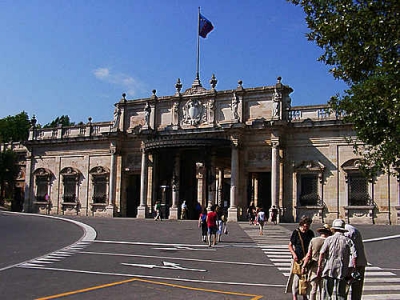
(298, 247)
(157, 210)
(310, 264)
(261, 220)
(251, 213)
(224, 221)
(357, 285)
(334, 260)
(203, 224)
(212, 226)
(255, 215)
(274, 214)
(184, 210)
(220, 222)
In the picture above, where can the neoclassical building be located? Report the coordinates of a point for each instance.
(203, 145)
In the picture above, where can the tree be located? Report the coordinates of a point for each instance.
(361, 41)
(15, 128)
(12, 129)
(63, 120)
(8, 172)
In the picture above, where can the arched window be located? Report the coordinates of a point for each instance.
(309, 183)
(358, 185)
(43, 179)
(70, 179)
(100, 183)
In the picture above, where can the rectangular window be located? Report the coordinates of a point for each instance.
(100, 189)
(42, 188)
(358, 190)
(309, 189)
(69, 189)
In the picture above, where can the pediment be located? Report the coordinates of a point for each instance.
(352, 165)
(310, 166)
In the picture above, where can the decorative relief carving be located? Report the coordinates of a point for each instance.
(99, 170)
(277, 99)
(193, 112)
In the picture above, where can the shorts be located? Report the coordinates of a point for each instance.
(212, 230)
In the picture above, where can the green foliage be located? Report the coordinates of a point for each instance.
(8, 166)
(14, 128)
(63, 120)
(361, 41)
(8, 172)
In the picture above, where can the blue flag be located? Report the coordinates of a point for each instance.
(205, 26)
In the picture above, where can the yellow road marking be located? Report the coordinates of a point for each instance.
(253, 297)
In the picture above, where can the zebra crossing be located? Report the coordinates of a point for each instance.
(378, 283)
(56, 256)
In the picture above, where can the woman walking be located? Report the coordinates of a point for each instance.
(203, 224)
(298, 247)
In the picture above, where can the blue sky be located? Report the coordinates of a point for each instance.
(76, 57)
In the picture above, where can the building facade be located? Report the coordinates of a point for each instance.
(207, 146)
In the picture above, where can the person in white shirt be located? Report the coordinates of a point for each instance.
(261, 220)
(334, 260)
(357, 285)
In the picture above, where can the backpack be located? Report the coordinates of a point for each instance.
(203, 218)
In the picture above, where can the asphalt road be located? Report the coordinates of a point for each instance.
(46, 258)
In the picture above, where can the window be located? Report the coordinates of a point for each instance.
(43, 178)
(99, 189)
(100, 177)
(309, 183)
(309, 189)
(358, 190)
(358, 186)
(70, 179)
(42, 185)
(69, 189)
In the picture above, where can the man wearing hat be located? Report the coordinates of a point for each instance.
(334, 260)
(357, 286)
(311, 261)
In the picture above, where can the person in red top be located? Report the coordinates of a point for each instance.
(212, 226)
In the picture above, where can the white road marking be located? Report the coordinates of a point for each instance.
(161, 278)
(185, 248)
(166, 265)
(179, 258)
(89, 234)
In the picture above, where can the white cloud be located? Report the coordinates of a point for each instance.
(130, 85)
(101, 73)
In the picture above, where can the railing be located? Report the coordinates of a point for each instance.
(315, 112)
(93, 129)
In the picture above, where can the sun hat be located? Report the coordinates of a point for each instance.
(326, 229)
(339, 224)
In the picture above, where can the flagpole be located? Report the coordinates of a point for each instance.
(198, 47)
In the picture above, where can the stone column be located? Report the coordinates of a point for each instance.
(173, 212)
(111, 200)
(211, 181)
(233, 211)
(141, 212)
(220, 187)
(274, 174)
(151, 185)
(29, 183)
(255, 189)
(281, 184)
(200, 183)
